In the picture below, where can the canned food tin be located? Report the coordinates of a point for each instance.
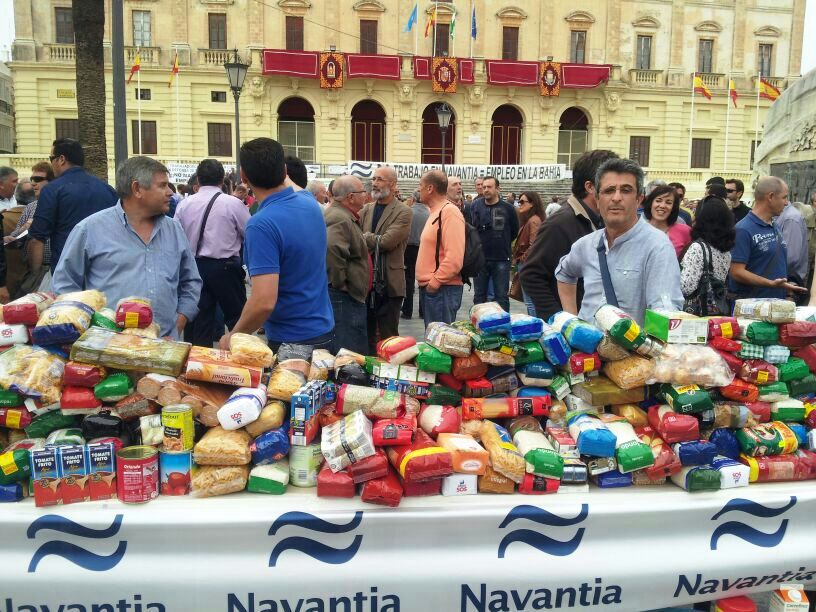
(651, 348)
(177, 421)
(304, 464)
(175, 468)
(137, 474)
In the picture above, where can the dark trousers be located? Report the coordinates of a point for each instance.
(320, 342)
(383, 322)
(499, 273)
(350, 323)
(411, 252)
(224, 287)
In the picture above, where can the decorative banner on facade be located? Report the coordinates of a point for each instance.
(360, 66)
(301, 64)
(467, 70)
(422, 68)
(537, 172)
(332, 69)
(444, 75)
(549, 79)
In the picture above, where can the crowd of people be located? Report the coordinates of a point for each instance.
(338, 265)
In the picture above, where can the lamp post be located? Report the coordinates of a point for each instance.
(443, 116)
(236, 73)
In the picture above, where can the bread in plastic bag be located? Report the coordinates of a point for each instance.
(683, 364)
(222, 447)
(212, 480)
(124, 352)
(247, 349)
(772, 310)
(629, 373)
(67, 317)
(32, 371)
(449, 340)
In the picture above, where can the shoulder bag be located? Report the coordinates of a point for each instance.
(710, 297)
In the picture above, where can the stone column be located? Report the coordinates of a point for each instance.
(797, 35)
(23, 47)
(675, 72)
(181, 34)
(613, 31)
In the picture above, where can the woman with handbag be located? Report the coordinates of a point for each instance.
(705, 265)
(531, 214)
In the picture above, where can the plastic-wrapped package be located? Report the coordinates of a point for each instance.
(539, 374)
(65, 437)
(123, 352)
(631, 454)
(539, 455)
(447, 339)
(633, 414)
(803, 386)
(334, 484)
(505, 407)
(758, 332)
(793, 369)
(600, 391)
(43, 425)
(776, 353)
(505, 458)
(385, 491)
(621, 327)
(397, 349)
(440, 394)
(479, 387)
(556, 349)
(788, 410)
(672, 426)
(14, 466)
(212, 480)
(733, 416)
(609, 350)
(222, 447)
(774, 438)
(10, 399)
(431, 359)
(666, 462)
(583, 363)
(732, 473)
(759, 372)
(740, 391)
(723, 327)
(490, 318)
(83, 374)
(771, 310)
(103, 425)
(761, 411)
(725, 441)
(347, 374)
(494, 482)
(270, 446)
(394, 432)
(375, 466)
(495, 358)
(725, 345)
(271, 479)
(686, 363)
(134, 312)
(113, 388)
(467, 455)
(533, 484)
(322, 367)
(250, 350)
(687, 399)
(421, 460)
(13, 334)
(27, 309)
(695, 452)
(450, 381)
(271, 417)
(422, 488)
(808, 355)
(524, 328)
(798, 334)
(11, 492)
(32, 371)
(629, 373)
(749, 350)
(503, 379)
(435, 419)
(591, 435)
(484, 341)
(612, 480)
(733, 362)
(773, 392)
(67, 318)
(800, 465)
(105, 318)
(347, 441)
(375, 403)
(243, 407)
(468, 368)
(15, 418)
(697, 478)
(579, 334)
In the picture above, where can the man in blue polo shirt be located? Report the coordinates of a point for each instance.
(759, 267)
(285, 252)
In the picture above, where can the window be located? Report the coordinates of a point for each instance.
(639, 149)
(296, 129)
(141, 29)
(754, 146)
(765, 56)
(578, 47)
(218, 96)
(149, 145)
(64, 20)
(368, 36)
(705, 53)
(66, 128)
(143, 94)
(510, 37)
(644, 53)
(442, 39)
(294, 33)
(218, 30)
(701, 153)
(219, 139)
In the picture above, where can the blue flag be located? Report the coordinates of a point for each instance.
(412, 19)
(473, 24)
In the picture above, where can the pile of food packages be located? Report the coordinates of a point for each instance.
(93, 405)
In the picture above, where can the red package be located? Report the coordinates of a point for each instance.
(334, 484)
(386, 491)
(375, 466)
(477, 388)
(27, 309)
(79, 398)
(394, 432)
(449, 380)
(435, 420)
(421, 460)
(538, 485)
(725, 344)
(134, 312)
(505, 407)
(808, 355)
(797, 335)
(118, 444)
(328, 415)
(581, 363)
(397, 349)
(468, 368)
(810, 419)
(758, 372)
(799, 466)
(673, 427)
(666, 462)
(135, 406)
(15, 418)
(723, 327)
(733, 362)
(83, 374)
(422, 488)
(740, 391)
(760, 410)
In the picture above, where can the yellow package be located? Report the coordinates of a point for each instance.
(250, 350)
(632, 413)
(505, 458)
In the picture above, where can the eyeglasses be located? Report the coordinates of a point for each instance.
(353, 192)
(38, 179)
(731, 191)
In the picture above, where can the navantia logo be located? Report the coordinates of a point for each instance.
(71, 552)
(313, 548)
(541, 541)
(746, 532)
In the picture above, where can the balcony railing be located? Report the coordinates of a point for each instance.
(214, 57)
(149, 55)
(711, 79)
(778, 82)
(647, 78)
(59, 53)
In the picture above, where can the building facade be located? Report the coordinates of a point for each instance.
(6, 110)
(644, 110)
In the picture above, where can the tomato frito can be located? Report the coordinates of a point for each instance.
(137, 474)
(175, 468)
(179, 430)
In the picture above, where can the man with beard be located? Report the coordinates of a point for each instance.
(386, 225)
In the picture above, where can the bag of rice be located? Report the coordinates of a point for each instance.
(732, 473)
(14, 466)
(629, 373)
(620, 326)
(272, 478)
(435, 420)
(65, 437)
(271, 417)
(723, 327)
(539, 455)
(421, 460)
(440, 394)
(524, 328)
(250, 350)
(490, 318)
(482, 341)
(793, 369)
(539, 374)
(212, 480)
(776, 353)
(556, 349)
(733, 362)
(687, 399)
(697, 478)
(503, 378)
(67, 318)
(530, 352)
(134, 312)
(222, 447)
(397, 432)
(695, 452)
(27, 309)
(579, 334)
(242, 408)
(335, 484)
(792, 335)
(771, 310)
(759, 372)
(369, 468)
(13, 334)
(761, 411)
(397, 349)
(591, 435)
(43, 425)
(385, 491)
(787, 410)
(115, 387)
(631, 454)
(774, 392)
(505, 458)
(447, 339)
(431, 359)
(609, 350)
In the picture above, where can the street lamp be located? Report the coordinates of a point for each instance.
(236, 73)
(443, 116)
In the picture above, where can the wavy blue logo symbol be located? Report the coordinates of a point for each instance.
(313, 548)
(539, 541)
(362, 169)
(744, 531)
(71, 552)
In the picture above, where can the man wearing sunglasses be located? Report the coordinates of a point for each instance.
(734, 188)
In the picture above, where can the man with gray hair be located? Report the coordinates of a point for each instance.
(132, 248)
(8, 185)
(320, 193)
(627, 263)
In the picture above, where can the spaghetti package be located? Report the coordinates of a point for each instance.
(759, 372)
(250, 350)
(774, 438)
(374, 403)
(431, 359)
(394, 432)
(629, 373)
(13, 334)
(579, 334)
(672, 426)
(666, 462)
(435, 419)
(621, 327)
(397, 349)
(447, 339)
(771, 310)
(723, 327)
(539, 374)
(27, 309)
(695, 452)
(800, 465)
(505, 458)
(375, 466)
(725, 441)
(222, 447)
(83, 374)
(134, 312)
(467, 455)
(242, 408)
(67, 318)
(740, 391)
(490, 318)
(335, 484)
(505, 407)
(591, 435)
(524, 328)
(423, 459)
(539, 455)
(468, 368)
(32, 371)
(630, 453)
(556, 349)
(385, 491)
(211, 480)
(347, 441)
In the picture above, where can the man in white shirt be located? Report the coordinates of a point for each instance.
(8, 185)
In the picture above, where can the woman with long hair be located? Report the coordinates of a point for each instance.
(531, 214)
(661, 208)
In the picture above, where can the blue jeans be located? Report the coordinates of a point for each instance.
(350, 323)
(499, 273)
(441, 306)
(527, 299)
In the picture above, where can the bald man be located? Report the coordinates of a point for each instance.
(759, 266)
(386, 225)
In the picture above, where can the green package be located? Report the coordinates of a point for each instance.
(271, 479)
(51, 421)
(10, 399)
(480, 341)
(531, 352)
(370, 363)
(560, 387)
(114, 388)
(788, 410)
(761, 333)
(686, 399)
(749, 350)
(14, 466)
(443, 396)
(772, 438)
(773, 392)
(802, 386)
(431, 359)
(698, 478)
(793, 369)
(99, 319)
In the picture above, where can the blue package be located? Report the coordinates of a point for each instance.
(11, 492)
(800, 431)
(531, 392)
(556, 349)
(524, 328)
(612, 479)
(592, 436)
(695, 452)
(579, 334)
(542, 371)
(270, 446)
(490, 318)
(726, 442)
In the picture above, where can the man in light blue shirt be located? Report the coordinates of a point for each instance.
(642, 263)
(133, 249)
(794, 232)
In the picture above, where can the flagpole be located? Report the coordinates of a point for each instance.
(756, 116)
(178, 116)
(453, 35)
(139, 101)
(728, 102)
(691, 122)
(435, 17)
(416, 29)
(470, 54)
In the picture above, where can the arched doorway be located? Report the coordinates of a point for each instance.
(573, 135)
(432, 137)
(505, 136)
(368, 131)
(296, 129)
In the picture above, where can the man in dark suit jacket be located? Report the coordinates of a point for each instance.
(388, 220)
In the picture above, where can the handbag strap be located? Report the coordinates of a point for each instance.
(204, 223)
(609, 289)
(439, 235)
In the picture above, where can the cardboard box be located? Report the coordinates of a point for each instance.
(790, 598)
(414, 389)
(460, 484)
(73, 469)
(305, 406)
(675, 327)
(562, 442)
(101, 461)
(45, 479)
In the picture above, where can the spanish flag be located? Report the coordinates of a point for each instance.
(137, 64)
(700, 88)
(174, 71)
(431, 23)
(767, 91)
(732, 92)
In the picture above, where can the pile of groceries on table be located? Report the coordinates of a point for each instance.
(96, 406)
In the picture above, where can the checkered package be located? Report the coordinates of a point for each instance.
(776, 353)
(753, 351)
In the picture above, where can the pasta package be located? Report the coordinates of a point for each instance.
(583, 363)
(67, 318)
(27, 309)
(774, 438)
(495, 358)
(673, 427)
(151, 331)
(494, 482)
(334, 484)
(397, 349)
(369, 468)
(124, 352)
(740, 391)
(539, 374)
(555, 347)
(793, 335)
(32, 371)
(421, 460)
(489, 317)
(695, 452)
(447, 339)
(212, 480)
(284, 383)
(505, 458)
(467, 455)
(134, 312)
(629, 373)
(770, 310)
(214, 365)
(249, 350)
(222, 447)
(375, 403)
(505, 407)
(83, 374)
